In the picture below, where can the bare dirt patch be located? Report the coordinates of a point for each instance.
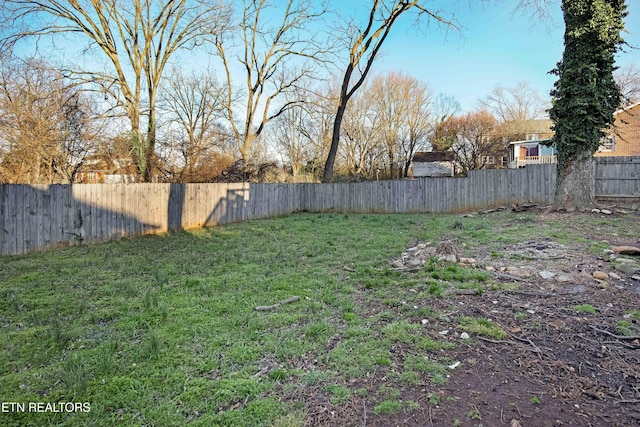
(570, 355)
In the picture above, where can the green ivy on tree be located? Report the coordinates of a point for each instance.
(585, 96)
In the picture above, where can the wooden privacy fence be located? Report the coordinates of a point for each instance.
(617, 178)
(479, 190)
(37, 217)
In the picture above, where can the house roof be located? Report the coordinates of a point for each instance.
(433, 156)
(627, 108)
(536, 125)
(533, 141)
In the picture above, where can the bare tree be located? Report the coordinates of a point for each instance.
(137, 39)
(475, 144)
(195, 106)
(320, 108)
(364, 44)
(417, 121)
(403, 104)
(443, 132)
(362, 150)
(518, 103)
(628, 78)
(514, 108)
(289, 137)
(47, 126)
(276, 60)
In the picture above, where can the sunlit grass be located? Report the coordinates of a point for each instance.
(162, 330)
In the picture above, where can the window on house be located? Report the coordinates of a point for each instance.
(91, 176)
(533, 136)
(608, 143)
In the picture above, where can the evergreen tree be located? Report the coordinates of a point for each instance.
(585, 96)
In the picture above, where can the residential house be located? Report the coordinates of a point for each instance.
(433, 163)
(622, 140)
(97, 170)
(535, 148)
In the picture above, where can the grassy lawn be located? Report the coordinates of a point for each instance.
(162, 330)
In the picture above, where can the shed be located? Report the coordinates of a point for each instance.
(433, 163)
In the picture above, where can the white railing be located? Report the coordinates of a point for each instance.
(535, 160)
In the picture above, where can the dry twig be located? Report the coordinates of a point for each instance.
(278, 304)
(619, 337)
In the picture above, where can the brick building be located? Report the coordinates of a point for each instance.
(624, 138)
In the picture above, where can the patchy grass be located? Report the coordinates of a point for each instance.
(162, 330)
(585, 308)
(483, 327)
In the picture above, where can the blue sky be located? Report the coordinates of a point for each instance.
(496, 46)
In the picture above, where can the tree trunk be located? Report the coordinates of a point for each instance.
(335, 140)
(575, 184)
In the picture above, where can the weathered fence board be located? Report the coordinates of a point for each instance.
(44, 216)
(617, 178)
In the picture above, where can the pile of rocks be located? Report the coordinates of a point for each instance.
(418, 255)
(556, 259)
(414, 256)
(622, 259)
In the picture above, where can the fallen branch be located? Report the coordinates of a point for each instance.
(634, 401)
(528, 341)
(619, 337)
(536, 294)
(523, 340)
(278, 304)
(524, 207)
(496, 341)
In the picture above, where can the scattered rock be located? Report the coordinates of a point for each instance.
(490, 268)
(577, 289)
(625, 260)
(413, 262)
(595, 210)
(448, 258)
(600, 275)
(539, 250)
(605, 211)
(464, 336)
(601, 284)
(626, 250)
(546, 274)
(626, 268)
(615, 276)
(468, 261)
(518, 272)
(563, 278)
(397, 264)
(515, 423)
(424, 321)
(635, 277)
